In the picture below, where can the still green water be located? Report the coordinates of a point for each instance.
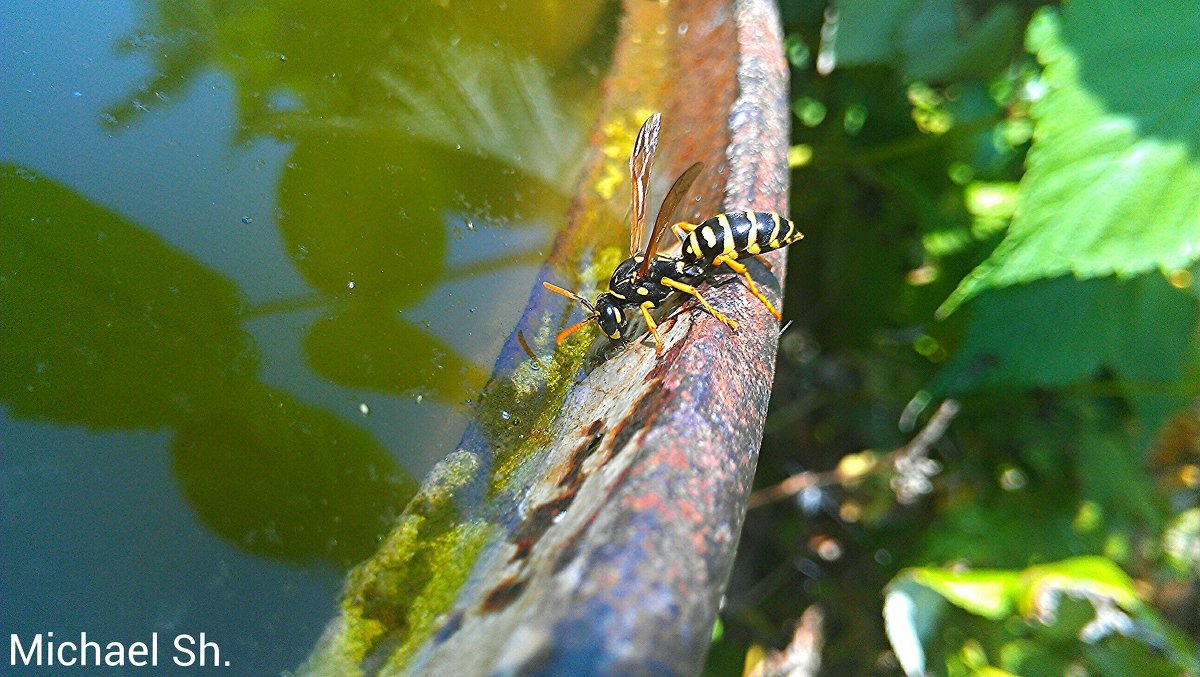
(255, 262)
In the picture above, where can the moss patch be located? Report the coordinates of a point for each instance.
(393, 600)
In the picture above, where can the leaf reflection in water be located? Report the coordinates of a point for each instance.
(106, 326)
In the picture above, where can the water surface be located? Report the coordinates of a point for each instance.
(255, 262)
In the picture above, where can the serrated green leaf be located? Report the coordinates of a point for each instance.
(1113, 180)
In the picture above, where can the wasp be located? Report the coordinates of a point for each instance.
(647, 279)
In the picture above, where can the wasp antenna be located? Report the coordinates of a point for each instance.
(562, 335)
(559, 290)
(569, 294)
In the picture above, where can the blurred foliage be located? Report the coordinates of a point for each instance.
(1002, 206)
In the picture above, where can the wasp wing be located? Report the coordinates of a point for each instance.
(667, 210)
(639, 173)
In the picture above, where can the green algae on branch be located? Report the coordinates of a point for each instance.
(394, 601)
(518, 412)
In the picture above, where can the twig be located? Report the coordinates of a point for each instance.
(802, 657)
(911, 459)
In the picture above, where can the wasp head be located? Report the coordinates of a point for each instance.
(609, 316)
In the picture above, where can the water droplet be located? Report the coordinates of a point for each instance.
(247, 220)
(350, 284)
(364, 409)
(505, 415)
(420, 399)
(683, 28)
(77, 93)
(470, 224)
(473, 309)
(458, 146)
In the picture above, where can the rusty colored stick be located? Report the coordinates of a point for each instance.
(606, 550)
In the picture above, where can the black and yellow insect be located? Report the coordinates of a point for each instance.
(645, 280)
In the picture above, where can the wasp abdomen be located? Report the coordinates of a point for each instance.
(733, 234)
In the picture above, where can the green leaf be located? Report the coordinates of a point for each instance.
(867, 31)
(912, 614)
(924, 39)
(994, 530)
(1088, 600)
(937, 45)
(1181, 543)
(1094, 575)
(1063, 331)
(365, 218)
(1113, 474)
(718, 630)
(1113, 180)
(984, 592)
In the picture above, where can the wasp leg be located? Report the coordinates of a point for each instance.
(682, 229)
(760, 259)
(646, 306)
(741, 269)
(689, 289)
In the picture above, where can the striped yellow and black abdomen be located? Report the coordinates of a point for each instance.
(738, 234)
